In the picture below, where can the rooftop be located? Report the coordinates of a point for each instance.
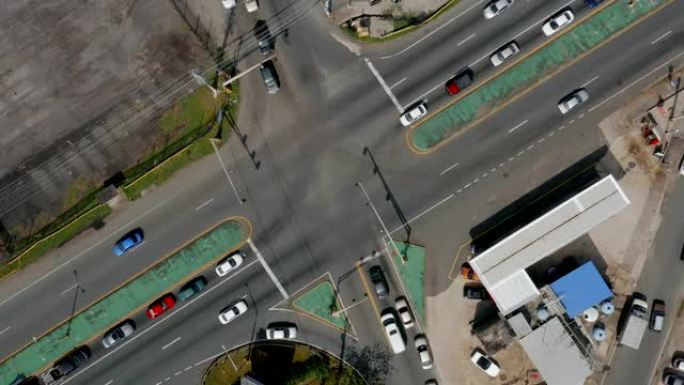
(501, 268)
(555, 354)
(581, 289)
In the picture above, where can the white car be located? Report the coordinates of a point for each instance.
(678, 363)
(411, 116)
(118, 333)
(228, 4)
(231, 263)
(495, 8)
(232, 311)
(558, 21)
(404, 312)
(396, 339)
(281, 332)
(504, 53)
(573, 100)
(485, 363)
(423, 352)
(251, 5)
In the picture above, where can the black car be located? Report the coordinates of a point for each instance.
(70, 362)
(264, 38)
(475, 292)
(379, 282)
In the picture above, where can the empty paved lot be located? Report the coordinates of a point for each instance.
(67, 67)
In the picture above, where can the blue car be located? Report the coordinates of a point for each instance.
(593, 3)
(130, 240)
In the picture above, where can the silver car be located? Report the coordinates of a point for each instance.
(504, 53)
(573, 100)
(495, 8)
(118, 333)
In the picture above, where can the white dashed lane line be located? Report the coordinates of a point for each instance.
(517, 126)
(466, 39)
(511, 159)
(589, 82)
(661, 37)
(446, 170)
(204, 204)
(171, 343)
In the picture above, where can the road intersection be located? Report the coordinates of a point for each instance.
(309, 216)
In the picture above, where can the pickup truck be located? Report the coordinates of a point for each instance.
(67, 364)
(460, 81)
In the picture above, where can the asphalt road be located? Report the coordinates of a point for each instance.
(309, 216)
(661, 279)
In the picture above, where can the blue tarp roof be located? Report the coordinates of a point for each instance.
(581, 289)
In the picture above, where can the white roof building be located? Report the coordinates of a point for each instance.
(501, 268)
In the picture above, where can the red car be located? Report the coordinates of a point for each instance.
(160, 306)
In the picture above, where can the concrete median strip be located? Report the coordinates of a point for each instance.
(553, 56)
(131, 297)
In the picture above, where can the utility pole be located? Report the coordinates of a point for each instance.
(196, 73)
(73, 306)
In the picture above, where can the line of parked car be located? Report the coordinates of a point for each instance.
(397, 320)
(117, 334)
(464, 78)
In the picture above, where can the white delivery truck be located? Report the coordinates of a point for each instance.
(636, 323)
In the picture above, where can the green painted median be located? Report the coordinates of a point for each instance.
(446, 123)
(129, 298)
(411, 265)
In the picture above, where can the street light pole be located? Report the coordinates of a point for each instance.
(377, 215)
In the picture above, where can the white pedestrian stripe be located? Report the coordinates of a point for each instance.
(384, 85)
(267, 268)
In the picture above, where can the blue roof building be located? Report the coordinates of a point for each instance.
(581, 289)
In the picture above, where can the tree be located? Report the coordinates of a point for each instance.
(373, 363)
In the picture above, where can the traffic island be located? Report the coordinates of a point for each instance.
(410, 262)
(322, 303)
(280, 362)
(527, 72)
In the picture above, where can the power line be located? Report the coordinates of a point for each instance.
(29, 185)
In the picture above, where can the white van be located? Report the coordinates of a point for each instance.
(396, 339)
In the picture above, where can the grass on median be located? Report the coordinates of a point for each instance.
(528, 71)
(411, 266)
(321, 302)
(56, 239)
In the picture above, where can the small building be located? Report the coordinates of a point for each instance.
(556, 355)
(581, 289)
